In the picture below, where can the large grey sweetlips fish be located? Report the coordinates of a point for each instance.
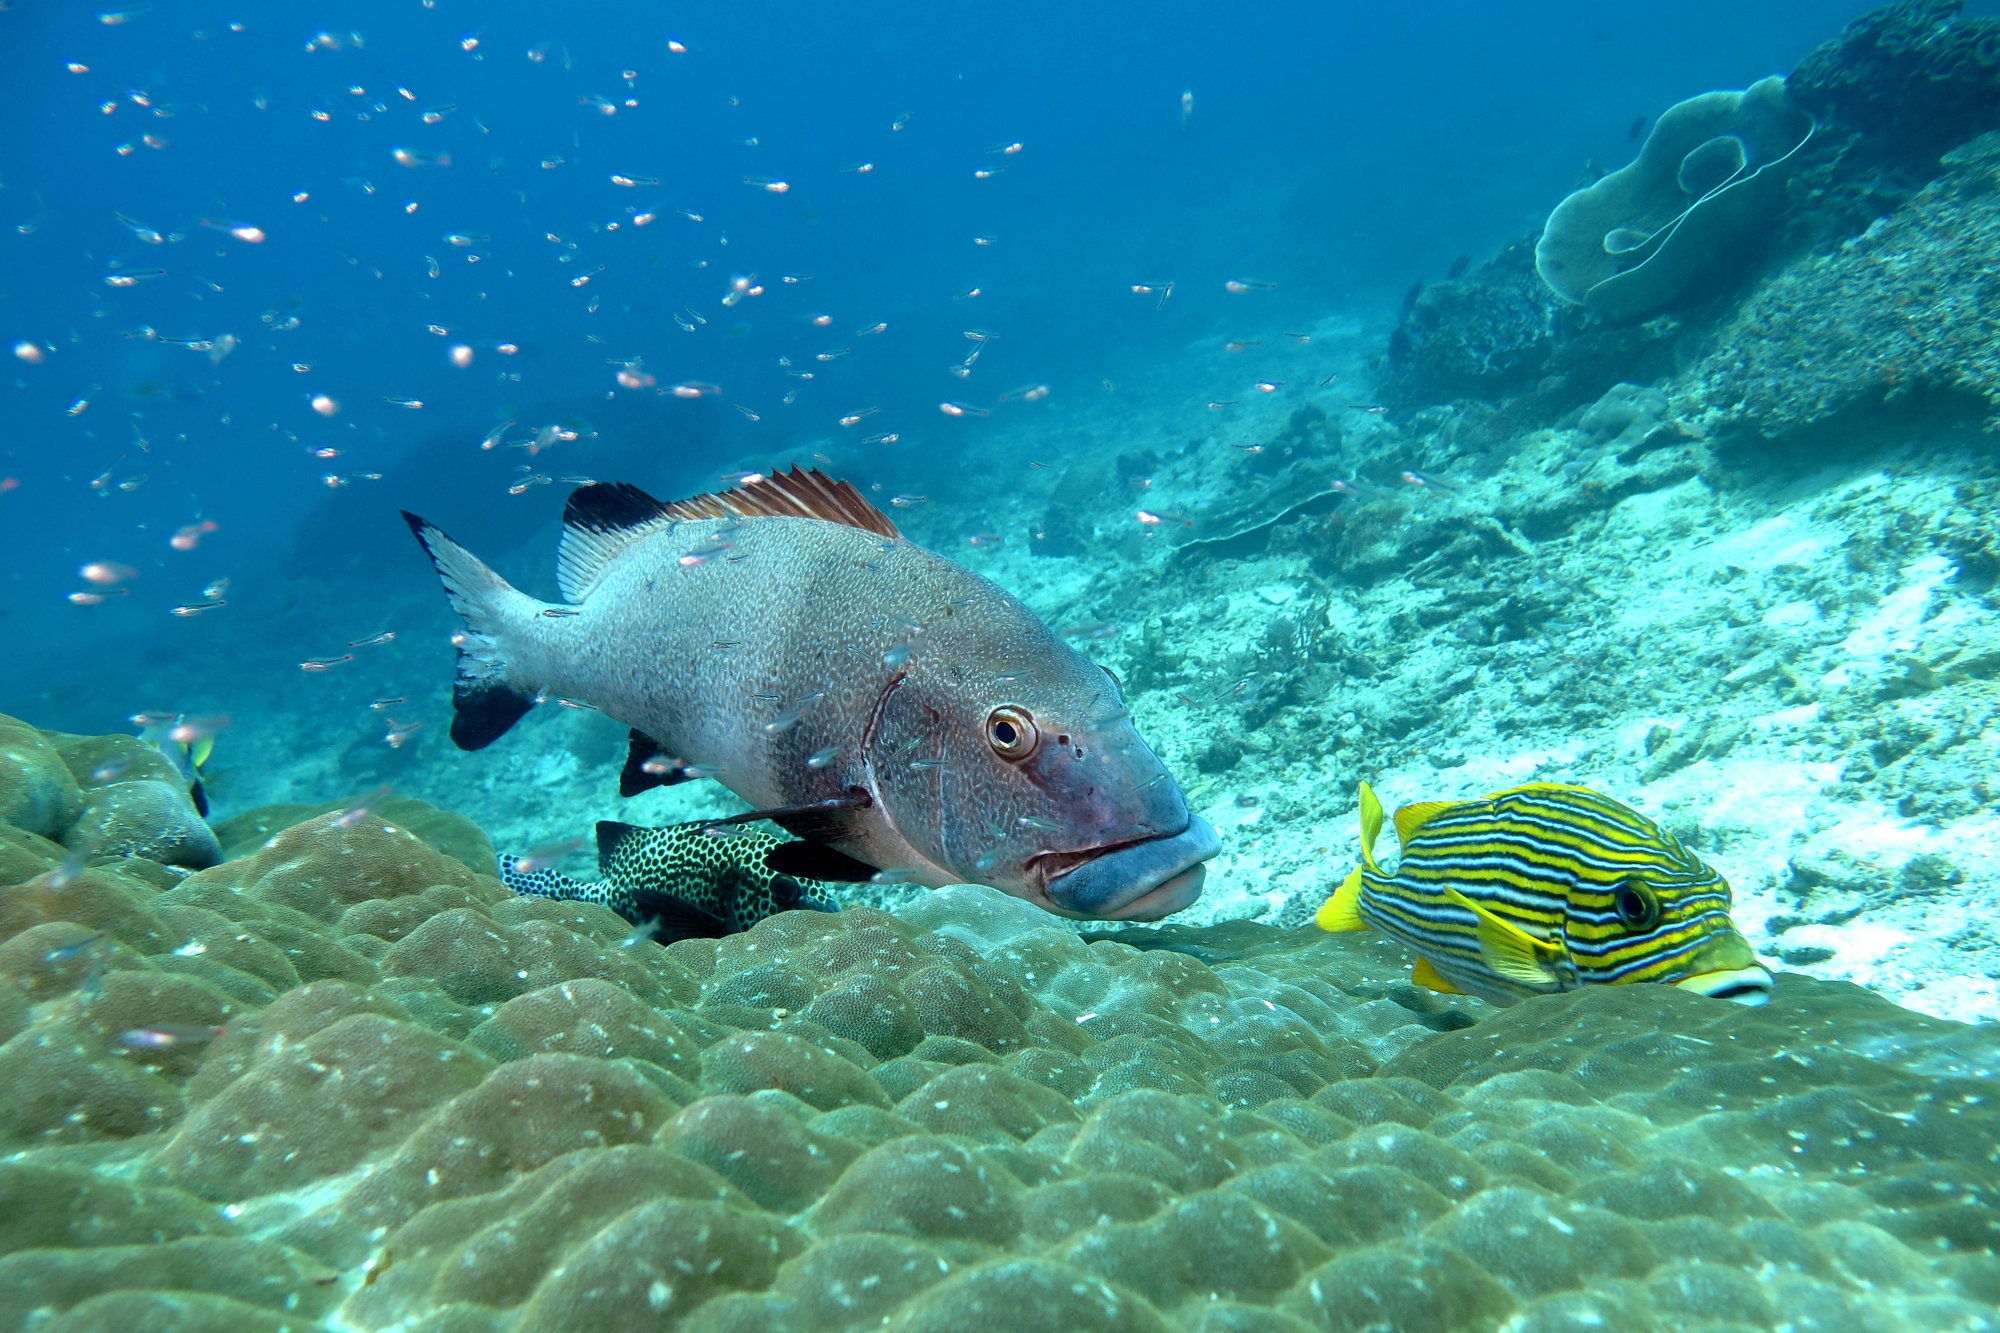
(857, 689)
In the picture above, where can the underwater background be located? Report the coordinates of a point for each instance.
(1399, 394)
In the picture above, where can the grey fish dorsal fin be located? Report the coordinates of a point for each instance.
(794, 494)
(598, 522)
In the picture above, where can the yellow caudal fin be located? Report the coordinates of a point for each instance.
(1510, 951)
(1343, 910)
(1413, 817)
(1423, 974)
(1371, 826)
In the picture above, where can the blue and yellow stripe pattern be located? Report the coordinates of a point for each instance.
(1544, 888)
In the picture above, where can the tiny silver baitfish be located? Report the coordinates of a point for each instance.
(1545, 888)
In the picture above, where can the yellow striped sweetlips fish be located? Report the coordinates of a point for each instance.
(860, 691)
(1544, 888)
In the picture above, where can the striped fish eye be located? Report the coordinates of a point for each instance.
(1636, 904)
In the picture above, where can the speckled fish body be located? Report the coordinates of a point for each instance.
(1545, 888)
(685, 881)
(801, 660)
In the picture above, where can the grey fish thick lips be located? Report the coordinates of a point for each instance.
(1139, 881)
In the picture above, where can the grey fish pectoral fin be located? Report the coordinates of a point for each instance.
(785, 815)
(635, 777)
(813, 860)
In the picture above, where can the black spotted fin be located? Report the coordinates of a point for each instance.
(676, 918)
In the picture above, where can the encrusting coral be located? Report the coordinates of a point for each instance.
(344, 1077)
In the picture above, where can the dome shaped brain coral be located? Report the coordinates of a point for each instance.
(426, 1104)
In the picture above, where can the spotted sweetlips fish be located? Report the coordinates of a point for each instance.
(855, 688)
(1544, 888)
(695, 880)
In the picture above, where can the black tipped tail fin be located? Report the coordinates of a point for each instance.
(484, 702)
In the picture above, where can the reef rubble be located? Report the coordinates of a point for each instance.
(343, 1080)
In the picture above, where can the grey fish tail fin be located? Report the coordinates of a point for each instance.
(484, 702)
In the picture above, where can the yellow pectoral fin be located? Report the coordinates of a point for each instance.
(1413, 817)
(1371, 824)
(1343, 910)
(1423, 974)
(1510, 951)
(203, 748)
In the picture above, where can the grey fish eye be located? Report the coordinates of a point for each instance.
(1011, 732)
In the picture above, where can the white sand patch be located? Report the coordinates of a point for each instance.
(1897, 621)
(1772, 544)
(1792, 615)
(1788, 718)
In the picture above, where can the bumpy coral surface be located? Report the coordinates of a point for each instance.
(344, 1081)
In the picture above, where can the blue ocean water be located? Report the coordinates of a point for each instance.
(220, 217)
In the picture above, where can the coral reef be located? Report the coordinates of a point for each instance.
(1899, 89)
(1694, 207)
(1499, 334)
(101, 796)
(427, 1104)
(1290, 474)
(1914, 78)
(38, 792)
(1906, 310)
(1482, 335)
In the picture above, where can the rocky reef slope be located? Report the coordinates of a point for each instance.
(343, 1080)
